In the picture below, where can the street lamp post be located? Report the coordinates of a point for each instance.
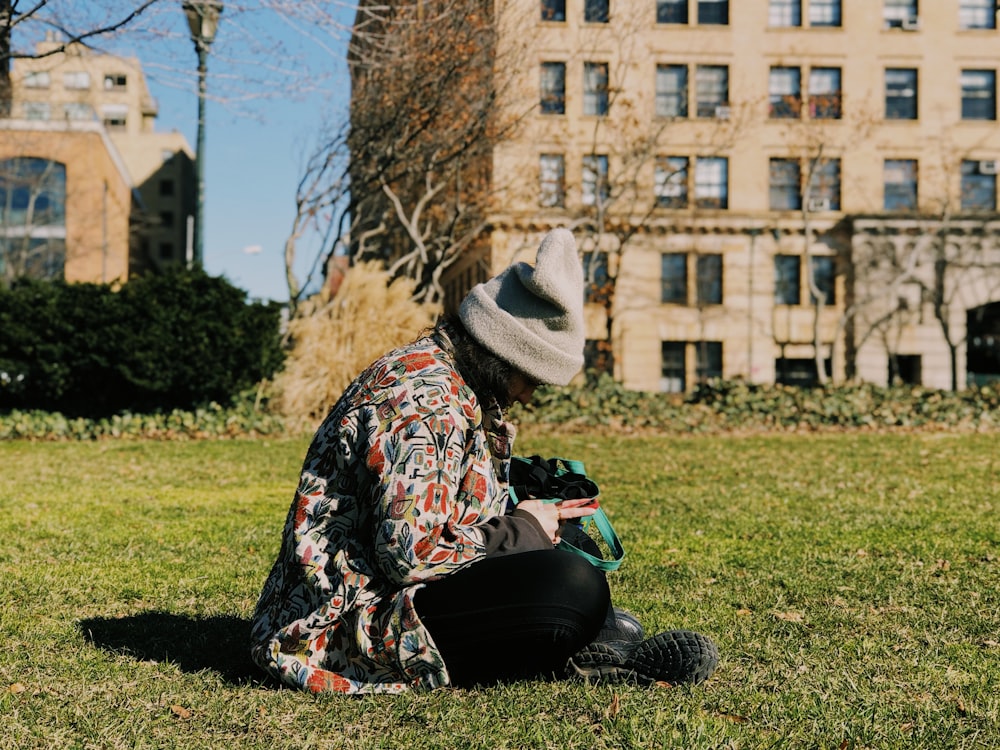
(203, 20)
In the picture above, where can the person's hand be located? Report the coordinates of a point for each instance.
(551, 516)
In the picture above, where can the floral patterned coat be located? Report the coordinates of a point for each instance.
(404, 482)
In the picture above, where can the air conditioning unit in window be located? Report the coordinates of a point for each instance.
(722, 112)
(910, 24)
(819, 204)
(989, 167)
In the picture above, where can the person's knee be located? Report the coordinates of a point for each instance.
(584, 585)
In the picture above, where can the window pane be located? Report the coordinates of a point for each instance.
(900, 184)
(673, 278)
(825, 185)
(33, 215)
(595, 179)
(713, 12)
(900, 94)
(553, 10)
(552, 180)
(824, 93)
(822, 273)
(76, 79)
(979, 187)
(671, 91)
(785, 185)
(708, 360)
(784, 13)
(671, 11)
(595, 11)
(897, 12)
(711, 182)
(785, 92)
(979, 95)
(673, 369)
(595, 274)
(670, 181)
(824, 12)
(797, 372)
(595, 88)
(709, 279)
(787, 279)
(553, 88)
(977, 14)
(711, 89)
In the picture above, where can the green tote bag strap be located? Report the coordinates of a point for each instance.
(556, 479)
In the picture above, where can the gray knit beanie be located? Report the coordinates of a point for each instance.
(532, 317)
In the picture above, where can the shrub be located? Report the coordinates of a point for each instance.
(176, 340)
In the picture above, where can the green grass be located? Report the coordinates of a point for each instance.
(851, 581)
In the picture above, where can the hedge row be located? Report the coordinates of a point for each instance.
(604, 405)
(737, 405)
(177, 340)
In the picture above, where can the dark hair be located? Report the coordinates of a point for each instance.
(488, 375)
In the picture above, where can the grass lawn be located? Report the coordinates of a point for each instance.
(851, 581)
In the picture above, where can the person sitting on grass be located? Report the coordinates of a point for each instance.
(402, 564)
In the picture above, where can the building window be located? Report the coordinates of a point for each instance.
(824, 94)
(824, 190)
(673, 367)
(554, 10)
(977, 14)
(76, 79)
(166, 251)
(37, 79)
(905, 369)
(36, 110)
(707, 360)
(671, 91)
(673, 279)
(114, 116)
(115, 82)
(670, 181)
(823, 267)
(166, 219)
(598, 356)
(166, 187)
(595, 274)
(595, 179)
(784, 91)
(708, 279)
(798, 372)
(784, 13)
(899, 180)
(824, 12)
(595, 11)
(78, 111)
(787, 279)
(901, 94)
(552, 180)
(711, 89)
(979, 185)
(32, 218)
(979, 94)
(898, 14)
(595, 88)
(671, 11)
(711, 182)
(785, 185)
(553, 88)
(713, 12)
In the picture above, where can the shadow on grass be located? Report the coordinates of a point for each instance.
(193, 644)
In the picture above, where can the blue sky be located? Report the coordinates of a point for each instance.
(275, 81)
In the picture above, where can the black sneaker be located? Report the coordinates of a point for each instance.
(625, 628)
(675, 657)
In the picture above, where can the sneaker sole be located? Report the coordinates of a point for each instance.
(674, 657)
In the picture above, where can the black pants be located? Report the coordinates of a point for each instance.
(514, 617)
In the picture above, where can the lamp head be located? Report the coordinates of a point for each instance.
(203, 20)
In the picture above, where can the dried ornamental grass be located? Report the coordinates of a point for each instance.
(333, 340)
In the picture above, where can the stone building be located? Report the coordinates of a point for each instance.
(776, 190)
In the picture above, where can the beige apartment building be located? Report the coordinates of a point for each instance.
(777, 188)
(76, 89)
